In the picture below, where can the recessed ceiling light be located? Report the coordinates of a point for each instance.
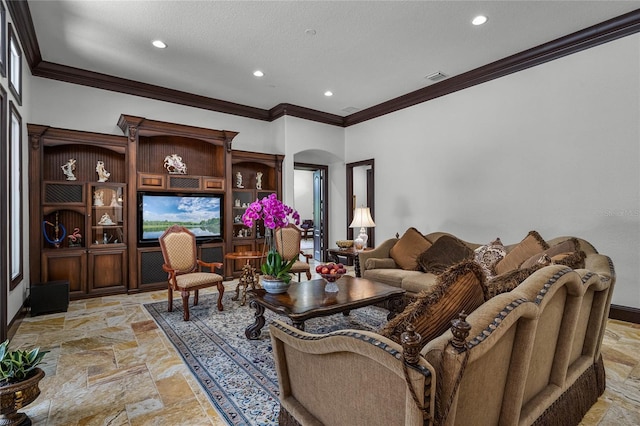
(258, 73)
(328, 93)
(479, 20)
(159, 44)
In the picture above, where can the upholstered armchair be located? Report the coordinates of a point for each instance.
(178, 246)
(288, 245)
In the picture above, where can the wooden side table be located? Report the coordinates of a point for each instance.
(249, 277)
(350, 253)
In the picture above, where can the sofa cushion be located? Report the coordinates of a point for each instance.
(393, 277)
(375, 263)
(531, 244)
(459, 288)
(509, 280)
(569, 246)
(416, 282)
(488, 255)
(444, 253)
(406, 251)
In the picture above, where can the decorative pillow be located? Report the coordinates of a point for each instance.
(406, 251)
(488, 255)
(375, 263)
(509, 280)
(459, 288)
(529, 246)
(445, 252)
(573, 260)
(568, 246)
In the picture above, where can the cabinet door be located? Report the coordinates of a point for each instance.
(107, 271)
(68, 265)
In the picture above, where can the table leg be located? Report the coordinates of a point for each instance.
(253, 331)
(395, 306)
(299, 325)
(356, 265)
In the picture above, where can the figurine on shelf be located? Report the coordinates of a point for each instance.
(237, 219)
(98, 198)
(75, 239)
(259, 180)
(239, 180)
(106, 220)
(103, 174)
(241, 233)
(237, 202)
(114, 201)
(174, 165)
(68, 169)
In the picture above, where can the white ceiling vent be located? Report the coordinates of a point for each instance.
(436, 76)
(350, 110)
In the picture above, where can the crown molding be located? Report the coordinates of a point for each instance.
(306, 113)
(610, 30)
(23, 25)
(595, 35)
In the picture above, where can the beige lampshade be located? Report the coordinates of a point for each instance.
(362, 218)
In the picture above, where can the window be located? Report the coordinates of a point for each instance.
(15, 66)
(3, 41)
(15, 195)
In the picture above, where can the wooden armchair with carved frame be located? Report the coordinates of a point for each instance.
(178, 246)
(288, 241)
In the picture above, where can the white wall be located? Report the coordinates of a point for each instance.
(554, 148)
(303, 193)
(323, 144)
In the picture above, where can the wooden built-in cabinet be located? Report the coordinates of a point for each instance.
(253, 177)
(78, 226)
(110, 258)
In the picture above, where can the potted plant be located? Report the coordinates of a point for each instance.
(19, 378)
(275, 214)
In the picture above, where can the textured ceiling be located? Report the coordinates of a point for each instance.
(366, 52)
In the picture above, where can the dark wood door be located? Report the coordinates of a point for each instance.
(107, 271)
(318, 212)
(67, 265)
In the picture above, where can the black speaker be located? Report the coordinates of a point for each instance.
(49, 297)
(151, 267)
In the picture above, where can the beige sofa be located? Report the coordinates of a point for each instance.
(378, 264)
(529, 356)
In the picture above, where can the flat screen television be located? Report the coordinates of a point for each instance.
(200, 213)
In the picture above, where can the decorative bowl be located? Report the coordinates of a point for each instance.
(331, 277)
(344, 243)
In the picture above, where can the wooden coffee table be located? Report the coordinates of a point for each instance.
(308, 299)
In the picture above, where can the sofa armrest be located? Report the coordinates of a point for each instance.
(347, 362)
(380, 252)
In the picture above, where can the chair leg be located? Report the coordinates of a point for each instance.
(195, 297)
(308, 275)
(220, 293)
(170, 292)
(185, 305)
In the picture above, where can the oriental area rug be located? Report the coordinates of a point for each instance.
(237, 374)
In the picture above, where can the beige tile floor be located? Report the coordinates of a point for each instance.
(110, 365)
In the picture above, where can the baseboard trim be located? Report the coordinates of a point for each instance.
(625, 313)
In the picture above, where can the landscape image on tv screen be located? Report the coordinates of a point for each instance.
(199, 214)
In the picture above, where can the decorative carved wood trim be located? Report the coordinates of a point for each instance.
(306, 113)
(147, 127)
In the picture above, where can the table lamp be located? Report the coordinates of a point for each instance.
(362, 219)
